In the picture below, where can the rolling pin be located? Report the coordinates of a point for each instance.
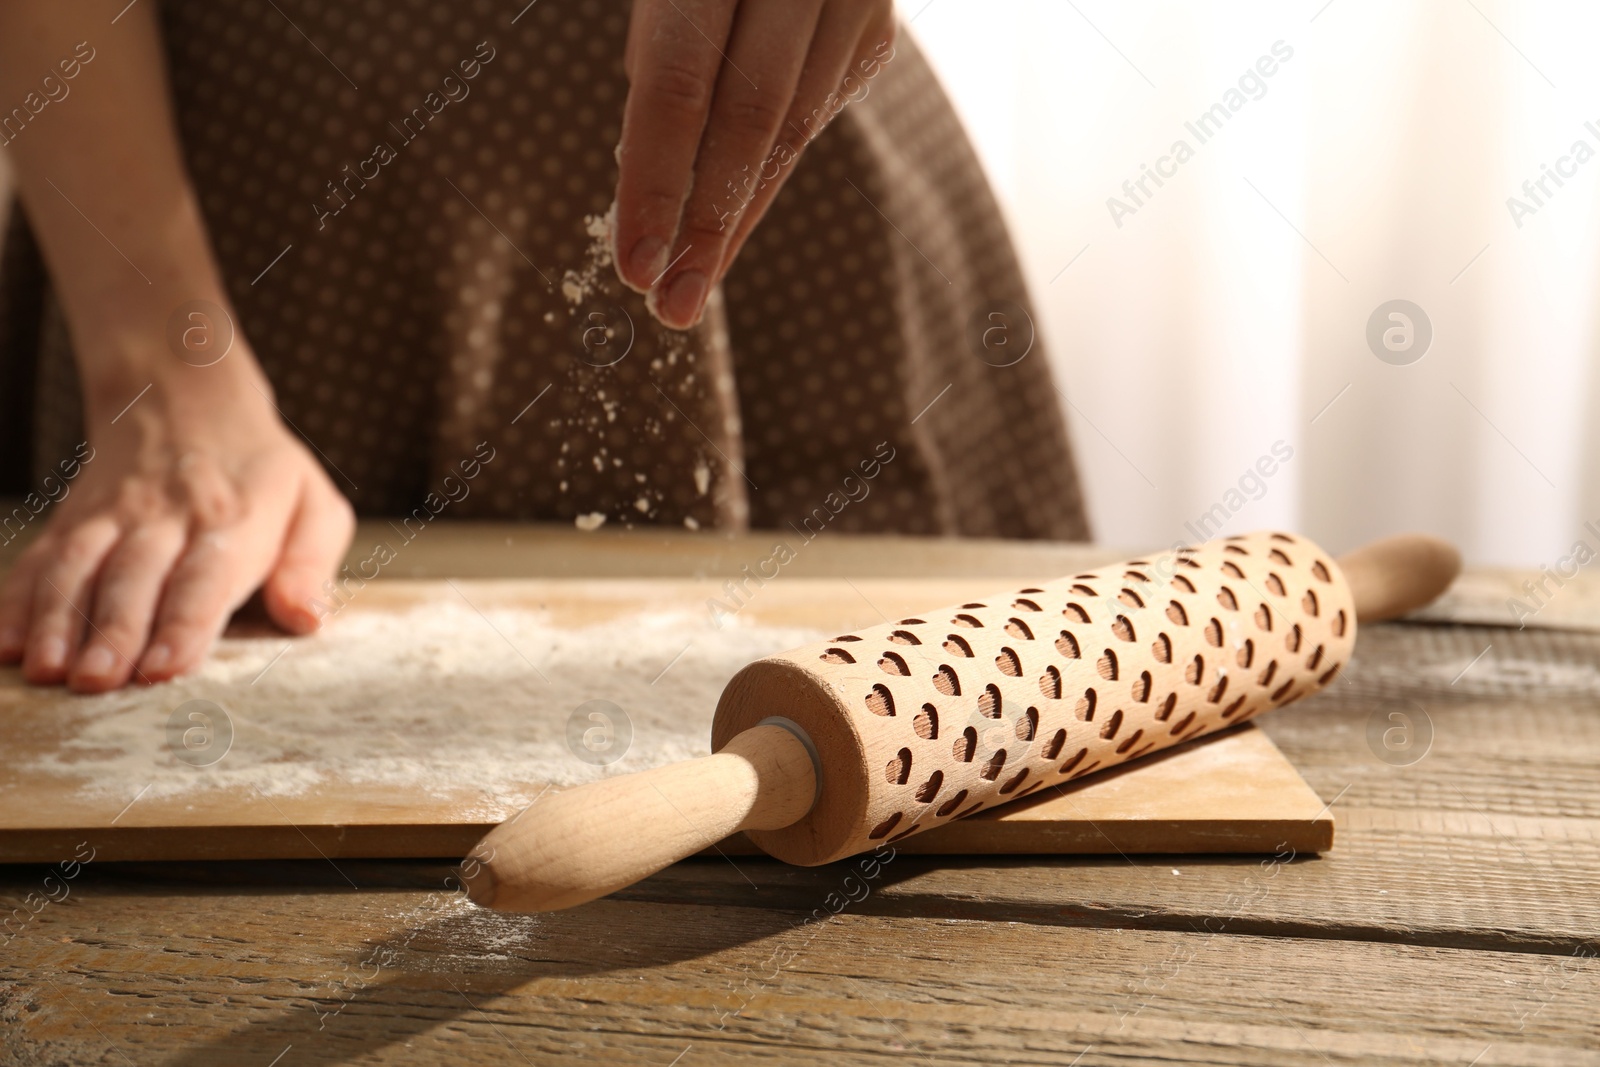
(832, 749)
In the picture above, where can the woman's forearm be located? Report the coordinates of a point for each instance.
(86, 119)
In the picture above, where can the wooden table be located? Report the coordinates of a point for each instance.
(1457, 920)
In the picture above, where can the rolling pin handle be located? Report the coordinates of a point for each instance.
(1399, 574)
(596, 838)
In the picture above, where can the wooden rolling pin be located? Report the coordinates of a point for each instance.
(828, 750)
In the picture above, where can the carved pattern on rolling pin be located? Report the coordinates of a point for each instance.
(989, 701)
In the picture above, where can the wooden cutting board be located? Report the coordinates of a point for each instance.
(396, 732)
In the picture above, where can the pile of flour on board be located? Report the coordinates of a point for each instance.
(428, 700)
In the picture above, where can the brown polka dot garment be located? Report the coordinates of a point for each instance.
(402, 212)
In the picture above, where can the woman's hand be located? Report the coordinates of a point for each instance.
(725, 95)
(192, 500)
(196, 493)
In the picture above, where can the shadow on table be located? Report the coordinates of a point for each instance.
(423, 976)
(452, 960)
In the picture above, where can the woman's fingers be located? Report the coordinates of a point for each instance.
(198, 598)
(675, 48)
(725, 96)
(319, 536)
(755, 93)
(233, 541)
(61, 599)
(830, 73)
(125, 597)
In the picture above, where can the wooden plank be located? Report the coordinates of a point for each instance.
(1490, 840)
(1238, 794)
(331, 976)
(1232, 792)
(1515, 596)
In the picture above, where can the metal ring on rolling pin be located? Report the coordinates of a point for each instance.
(811, 749)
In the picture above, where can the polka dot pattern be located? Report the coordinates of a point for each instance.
(426, 220)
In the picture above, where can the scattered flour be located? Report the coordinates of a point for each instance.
(590, 292)
(580, 284)
(428, 700)
(591, 522)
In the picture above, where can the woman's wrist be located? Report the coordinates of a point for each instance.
(154, 311)
(172, 329)
(118, 369)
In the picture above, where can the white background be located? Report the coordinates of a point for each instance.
(1207, 327)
